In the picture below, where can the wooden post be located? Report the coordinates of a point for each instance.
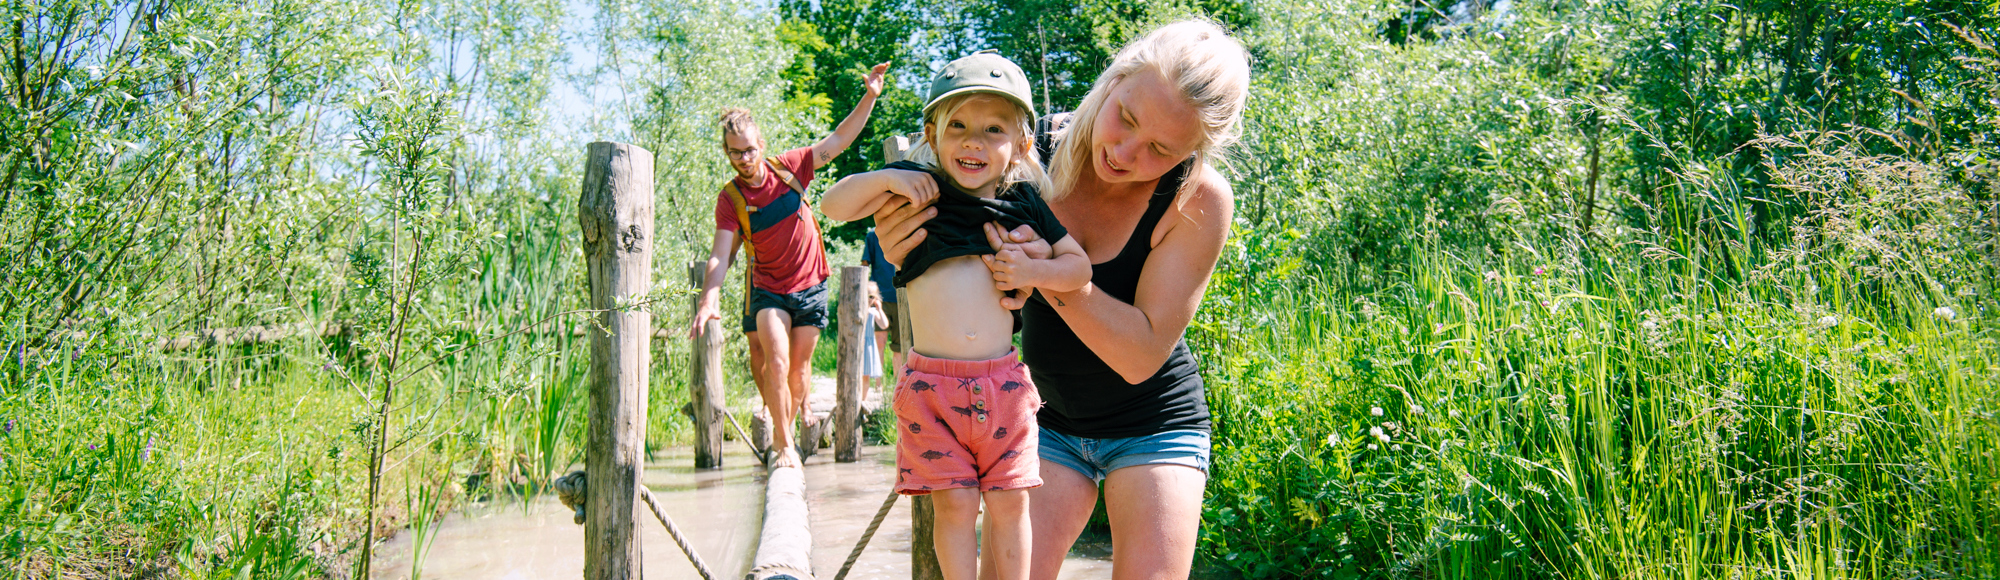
(705, 384)
(923, 550)
(616, 212)
(848, 374)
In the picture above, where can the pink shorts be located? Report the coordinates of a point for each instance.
(966, 424)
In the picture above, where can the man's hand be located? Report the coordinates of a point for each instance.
(873, 82)
(704, 311)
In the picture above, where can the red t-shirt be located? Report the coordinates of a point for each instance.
(789, 255)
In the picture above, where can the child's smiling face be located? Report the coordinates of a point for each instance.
(978, 143)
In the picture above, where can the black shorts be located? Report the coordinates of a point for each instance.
(807, 307)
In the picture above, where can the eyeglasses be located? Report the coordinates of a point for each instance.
(740, 153)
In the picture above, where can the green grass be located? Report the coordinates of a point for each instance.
(1627, 418)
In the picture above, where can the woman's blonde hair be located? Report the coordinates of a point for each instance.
(1026, 166)
(1212, 71)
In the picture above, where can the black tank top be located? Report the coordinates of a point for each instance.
(1085, 397)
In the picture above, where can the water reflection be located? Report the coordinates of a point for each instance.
(721, 512)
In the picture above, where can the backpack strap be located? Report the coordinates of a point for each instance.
(790, 180)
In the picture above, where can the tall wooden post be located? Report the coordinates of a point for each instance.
(848, 375)
(616, 212)
(705, 382)
(923, 549)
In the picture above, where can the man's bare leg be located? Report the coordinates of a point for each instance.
(803, 340)
(772, 327)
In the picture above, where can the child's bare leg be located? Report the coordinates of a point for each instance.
(954, 532)
(1007, 521)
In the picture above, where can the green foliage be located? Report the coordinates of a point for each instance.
(1681, 289)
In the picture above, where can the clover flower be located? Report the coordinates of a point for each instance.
(1416, 409)
(1333, 439)
(1376, 411)
(1829, 320)
(1946, 313)
(1377, 433)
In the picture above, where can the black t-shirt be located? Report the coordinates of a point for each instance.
(957, 229)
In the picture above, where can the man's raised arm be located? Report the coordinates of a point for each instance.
(826, 149)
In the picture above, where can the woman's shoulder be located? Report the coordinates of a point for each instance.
(1209, 198)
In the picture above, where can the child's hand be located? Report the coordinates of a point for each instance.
(918, 186)
(1012, 269)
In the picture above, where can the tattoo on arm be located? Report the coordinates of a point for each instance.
(824, 157)
(1059, 302)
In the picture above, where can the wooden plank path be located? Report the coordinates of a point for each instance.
(615, 211)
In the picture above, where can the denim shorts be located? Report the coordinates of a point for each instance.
(1097, 458)
(807, 307)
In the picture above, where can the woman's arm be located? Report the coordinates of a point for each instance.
(856, 196)
(1135, 339)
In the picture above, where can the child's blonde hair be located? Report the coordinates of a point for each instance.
(1026, 167)
(1212, 71)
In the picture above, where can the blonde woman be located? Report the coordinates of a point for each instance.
(1134, 181)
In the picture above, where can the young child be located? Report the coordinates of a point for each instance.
(964, 402)
(874, 319)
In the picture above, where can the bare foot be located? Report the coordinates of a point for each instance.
(788, 458)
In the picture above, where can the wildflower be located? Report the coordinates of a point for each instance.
(10, 428)
(1829, 320)
(1492, 276)
(147, 453)
(1946, 313)
(1649, 325)
(1453, 413)
(1438, 327)
(1416, 409)
(93, 446)
(1397, 447)
(1376, 411)
(1372, 447)
(1378, 434)
(1333, 439)
(1538, 270)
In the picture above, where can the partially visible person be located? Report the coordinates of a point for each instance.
(785, 306)
(964, 403)
(883, 275)
(1134, 178)
(875, 321)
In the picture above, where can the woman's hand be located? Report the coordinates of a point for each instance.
(1011, 251)
(1024, 238)
(899, 227)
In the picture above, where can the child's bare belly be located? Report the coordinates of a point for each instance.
(955, 312)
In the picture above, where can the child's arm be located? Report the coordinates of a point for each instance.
(859, 195)
(1065, 270)
(881, 319)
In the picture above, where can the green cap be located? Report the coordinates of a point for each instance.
(982, 72)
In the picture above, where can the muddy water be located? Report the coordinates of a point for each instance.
(721, 511)
(845, 496)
